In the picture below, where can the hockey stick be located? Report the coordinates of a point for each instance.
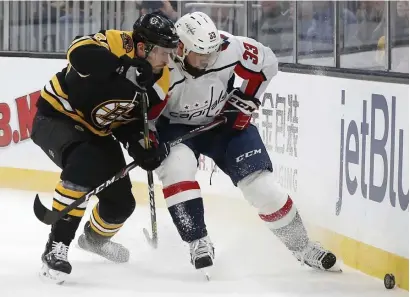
(153, 241)
(49, 217)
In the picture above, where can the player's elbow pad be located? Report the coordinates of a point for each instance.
(93, 60)
(271, 64)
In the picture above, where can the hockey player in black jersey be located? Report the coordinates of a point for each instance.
(84, 113)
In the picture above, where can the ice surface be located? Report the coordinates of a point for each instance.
(250, 261)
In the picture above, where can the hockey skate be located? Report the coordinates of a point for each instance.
(202, 254)
(55, 268)
(97, 244)
(315, 256)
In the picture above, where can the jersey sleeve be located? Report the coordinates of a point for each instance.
(257, 65)
(98, 54)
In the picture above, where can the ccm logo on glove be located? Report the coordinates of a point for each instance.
(239, 108)
(245, 106)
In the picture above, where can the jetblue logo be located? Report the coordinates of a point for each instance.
(372, 154)
(247, 155)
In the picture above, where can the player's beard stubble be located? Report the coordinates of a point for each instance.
(158, 68)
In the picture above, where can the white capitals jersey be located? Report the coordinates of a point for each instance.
(196, 101)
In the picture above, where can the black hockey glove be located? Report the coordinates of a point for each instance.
(148, 159)
(137, 70)
(239, 109)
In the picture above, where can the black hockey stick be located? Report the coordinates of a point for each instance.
(49, 217)
(153, 241)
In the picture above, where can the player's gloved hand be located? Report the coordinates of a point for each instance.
(239, 108)
(137, 70)
(148, 159)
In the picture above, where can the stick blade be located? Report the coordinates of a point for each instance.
(42, 213)
(152, 242)
(39, 209)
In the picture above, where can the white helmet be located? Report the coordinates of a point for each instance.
(199, 34)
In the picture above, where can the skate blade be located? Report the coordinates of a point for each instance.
(337, 268)
(48, 275)
(206, 272)
(117, 260)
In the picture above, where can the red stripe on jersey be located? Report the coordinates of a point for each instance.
(225, 43)
(180, 187)
(255, 79)
(277, 215)
(156, 110)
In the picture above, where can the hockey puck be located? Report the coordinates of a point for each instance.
(389, 281)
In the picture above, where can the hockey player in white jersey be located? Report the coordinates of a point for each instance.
(202, 76)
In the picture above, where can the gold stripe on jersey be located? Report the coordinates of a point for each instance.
(80, 113)
(56, 103)
(55, 83)
(118, 41)
(64, 197)
(100, 226)
(102, 39)
(50, 89)
(161, 86)
(105, 109)
(86, 40)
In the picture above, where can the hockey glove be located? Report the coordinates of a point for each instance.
(148, 159)
(239, 108)
(137, 70)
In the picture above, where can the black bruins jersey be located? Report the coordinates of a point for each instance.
(91, 92)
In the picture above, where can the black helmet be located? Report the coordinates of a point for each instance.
(155, 29)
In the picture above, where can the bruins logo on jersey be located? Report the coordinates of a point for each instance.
(127, 43)
(111, 112)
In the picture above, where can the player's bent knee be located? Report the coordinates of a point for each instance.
(117, 211)
(108, 218)
(177, 174)
(260, 189)
(74, 187)
(269, 198)
(180, 165)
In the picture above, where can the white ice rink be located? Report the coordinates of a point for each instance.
(249, 261)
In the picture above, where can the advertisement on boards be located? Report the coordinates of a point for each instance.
(377, 143)
(23, 110)
(22, 82)
(374, 165)
(278, 123)
(350, 154)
